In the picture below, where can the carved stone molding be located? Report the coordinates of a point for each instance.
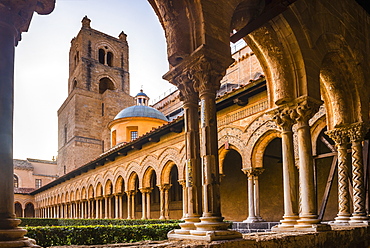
(357, 131)
(338, 135)
(253, 171)
(305, 109)
(285, 118)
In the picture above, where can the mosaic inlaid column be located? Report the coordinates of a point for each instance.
(340, 137)
(192, 209)
(285, 118)
(356, 133)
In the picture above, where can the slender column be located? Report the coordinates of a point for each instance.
(285, 118)
(184, 198)
(133, 204)
(339, 135)
(164, 204)
(120, 207)
(143, 203)
(129, 215)
(251, 207)
(106, 212)
(116, 209)
(148, 215)
(308, 216)
(101, 208)
(257, 172)
(357, 132)
(184, 79)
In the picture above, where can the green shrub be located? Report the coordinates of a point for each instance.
(89, 222)
(95, 235)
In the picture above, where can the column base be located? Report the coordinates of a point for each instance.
(342, 219)
(301, 228)
(187, 226)
(359, 219)
(252, 220)
(286, 222)
(205, 235)
(307, 221)
(21, 243)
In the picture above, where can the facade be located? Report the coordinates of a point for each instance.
(30, 174)
(304, 127)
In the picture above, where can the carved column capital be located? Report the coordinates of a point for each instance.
(339, 135)
(305, 109)
(146, 190)
(17, 14)
(164, 187)
(253, 171)
(357, 131)
(284, 118)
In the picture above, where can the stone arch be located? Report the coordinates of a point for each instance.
(106, 83)
(83, 193)
(169, 154)
(108, 187)
(260, 147)
(90, 192)
(99, 190)
(149, 161)
(132, 167)
(166, 172)
(77, 195)
(119, 185)
(29, 210)
(147, 177)
(259, 127)
(131, 182)
(233, 137)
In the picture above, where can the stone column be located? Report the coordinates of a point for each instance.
(101, 208)
(148, 209)
(257, 172)
(164, 203)
(184, 197)
(251, 207)
(120, 213)
(143, 203)
(308, 216)
(130, 204)
(184, 80)
(357, 132)
(106, 210)
(339, 136)
(285, 118)
(116, 208)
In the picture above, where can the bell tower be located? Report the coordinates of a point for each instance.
(98, 88)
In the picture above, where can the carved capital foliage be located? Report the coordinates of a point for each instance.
(338, 135)
(184, 83)
(146, 190)
(253, 171)
(357, 131)
(17, 14)
(305, 109)
(285, 118)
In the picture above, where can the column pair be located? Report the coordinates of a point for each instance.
(198, 79)
(253, 194)
(145, 194)
(354, 133)
(130, 204)
(164, 201)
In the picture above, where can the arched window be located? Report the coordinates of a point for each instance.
(16, 182)
(105, 84)
(101, 56)
(110, 59)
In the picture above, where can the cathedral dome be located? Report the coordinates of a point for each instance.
(140, 111)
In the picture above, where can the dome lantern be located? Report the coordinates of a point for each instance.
(142, 99)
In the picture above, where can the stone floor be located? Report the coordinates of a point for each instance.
(351, 237)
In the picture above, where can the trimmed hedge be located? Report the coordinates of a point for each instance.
(90, 222)
(98, 235)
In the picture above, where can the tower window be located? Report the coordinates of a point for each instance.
(101, 56)
(134, 135)
(105, 84)
(38, 183)
(110, 59)
(65, 134)
(16, 182)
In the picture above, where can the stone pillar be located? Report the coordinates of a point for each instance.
(101, 208)
(184, 198)
(15, 17)
(258, 171)
(251, 207)
(143, 203)
(130, 204)
(357, 132)
(116, 208)
(148, 209)
(253, 196)
(120, 213)
(339, 136)
(285, 118)
(193, 187)
(164, 202)
(305, 109)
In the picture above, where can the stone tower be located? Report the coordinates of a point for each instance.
(98, 88)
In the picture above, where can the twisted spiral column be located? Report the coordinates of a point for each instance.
(357, 132)
(339, 135)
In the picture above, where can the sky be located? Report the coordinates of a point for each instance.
(41, 64)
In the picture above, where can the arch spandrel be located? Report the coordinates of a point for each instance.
(148, 161)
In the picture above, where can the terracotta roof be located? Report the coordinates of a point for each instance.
(22, 164)
(42, 161)
(23, 190)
